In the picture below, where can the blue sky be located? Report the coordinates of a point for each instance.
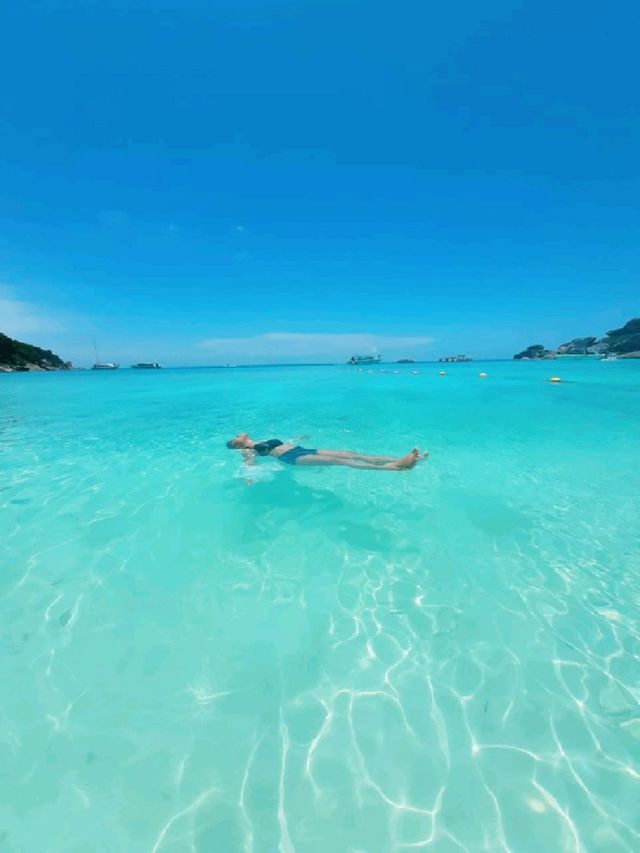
(203, 182)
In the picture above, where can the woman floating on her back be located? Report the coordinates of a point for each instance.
(295, 455)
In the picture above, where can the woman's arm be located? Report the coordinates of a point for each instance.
(249, 458)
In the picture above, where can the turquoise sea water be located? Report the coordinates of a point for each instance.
(330, 659)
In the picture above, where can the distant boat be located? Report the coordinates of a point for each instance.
(102, 365)
(406, 361)
(610, 356)
(455, 359)
(146, 365)
(365, 359)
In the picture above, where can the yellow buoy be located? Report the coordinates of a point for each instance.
(482, 375)
(555, 379)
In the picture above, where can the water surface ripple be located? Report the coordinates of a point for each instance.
(327, 660)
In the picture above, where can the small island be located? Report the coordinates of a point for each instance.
(535, 351)
(617, 343)
(18, 357)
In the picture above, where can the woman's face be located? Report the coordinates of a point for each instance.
(241, 440)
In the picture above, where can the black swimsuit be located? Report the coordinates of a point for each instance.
(264, 448)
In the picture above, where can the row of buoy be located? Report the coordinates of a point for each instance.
(484, 376)
(442, 373)
(481, 375)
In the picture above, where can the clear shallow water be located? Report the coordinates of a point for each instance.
(330, 659)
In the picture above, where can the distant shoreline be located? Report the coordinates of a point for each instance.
(387, 365)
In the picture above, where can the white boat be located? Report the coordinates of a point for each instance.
(146, 365)
(609, 357)
(365, 359)
(102, 365)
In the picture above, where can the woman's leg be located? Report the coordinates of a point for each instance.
(401, 464)
(364, 457)
(344, 461)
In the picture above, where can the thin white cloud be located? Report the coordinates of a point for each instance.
(19, 318)
(300, 344)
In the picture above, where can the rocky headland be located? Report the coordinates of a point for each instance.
(623, 343)
(16, 356)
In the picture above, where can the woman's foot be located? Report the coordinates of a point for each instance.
(409, 461)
